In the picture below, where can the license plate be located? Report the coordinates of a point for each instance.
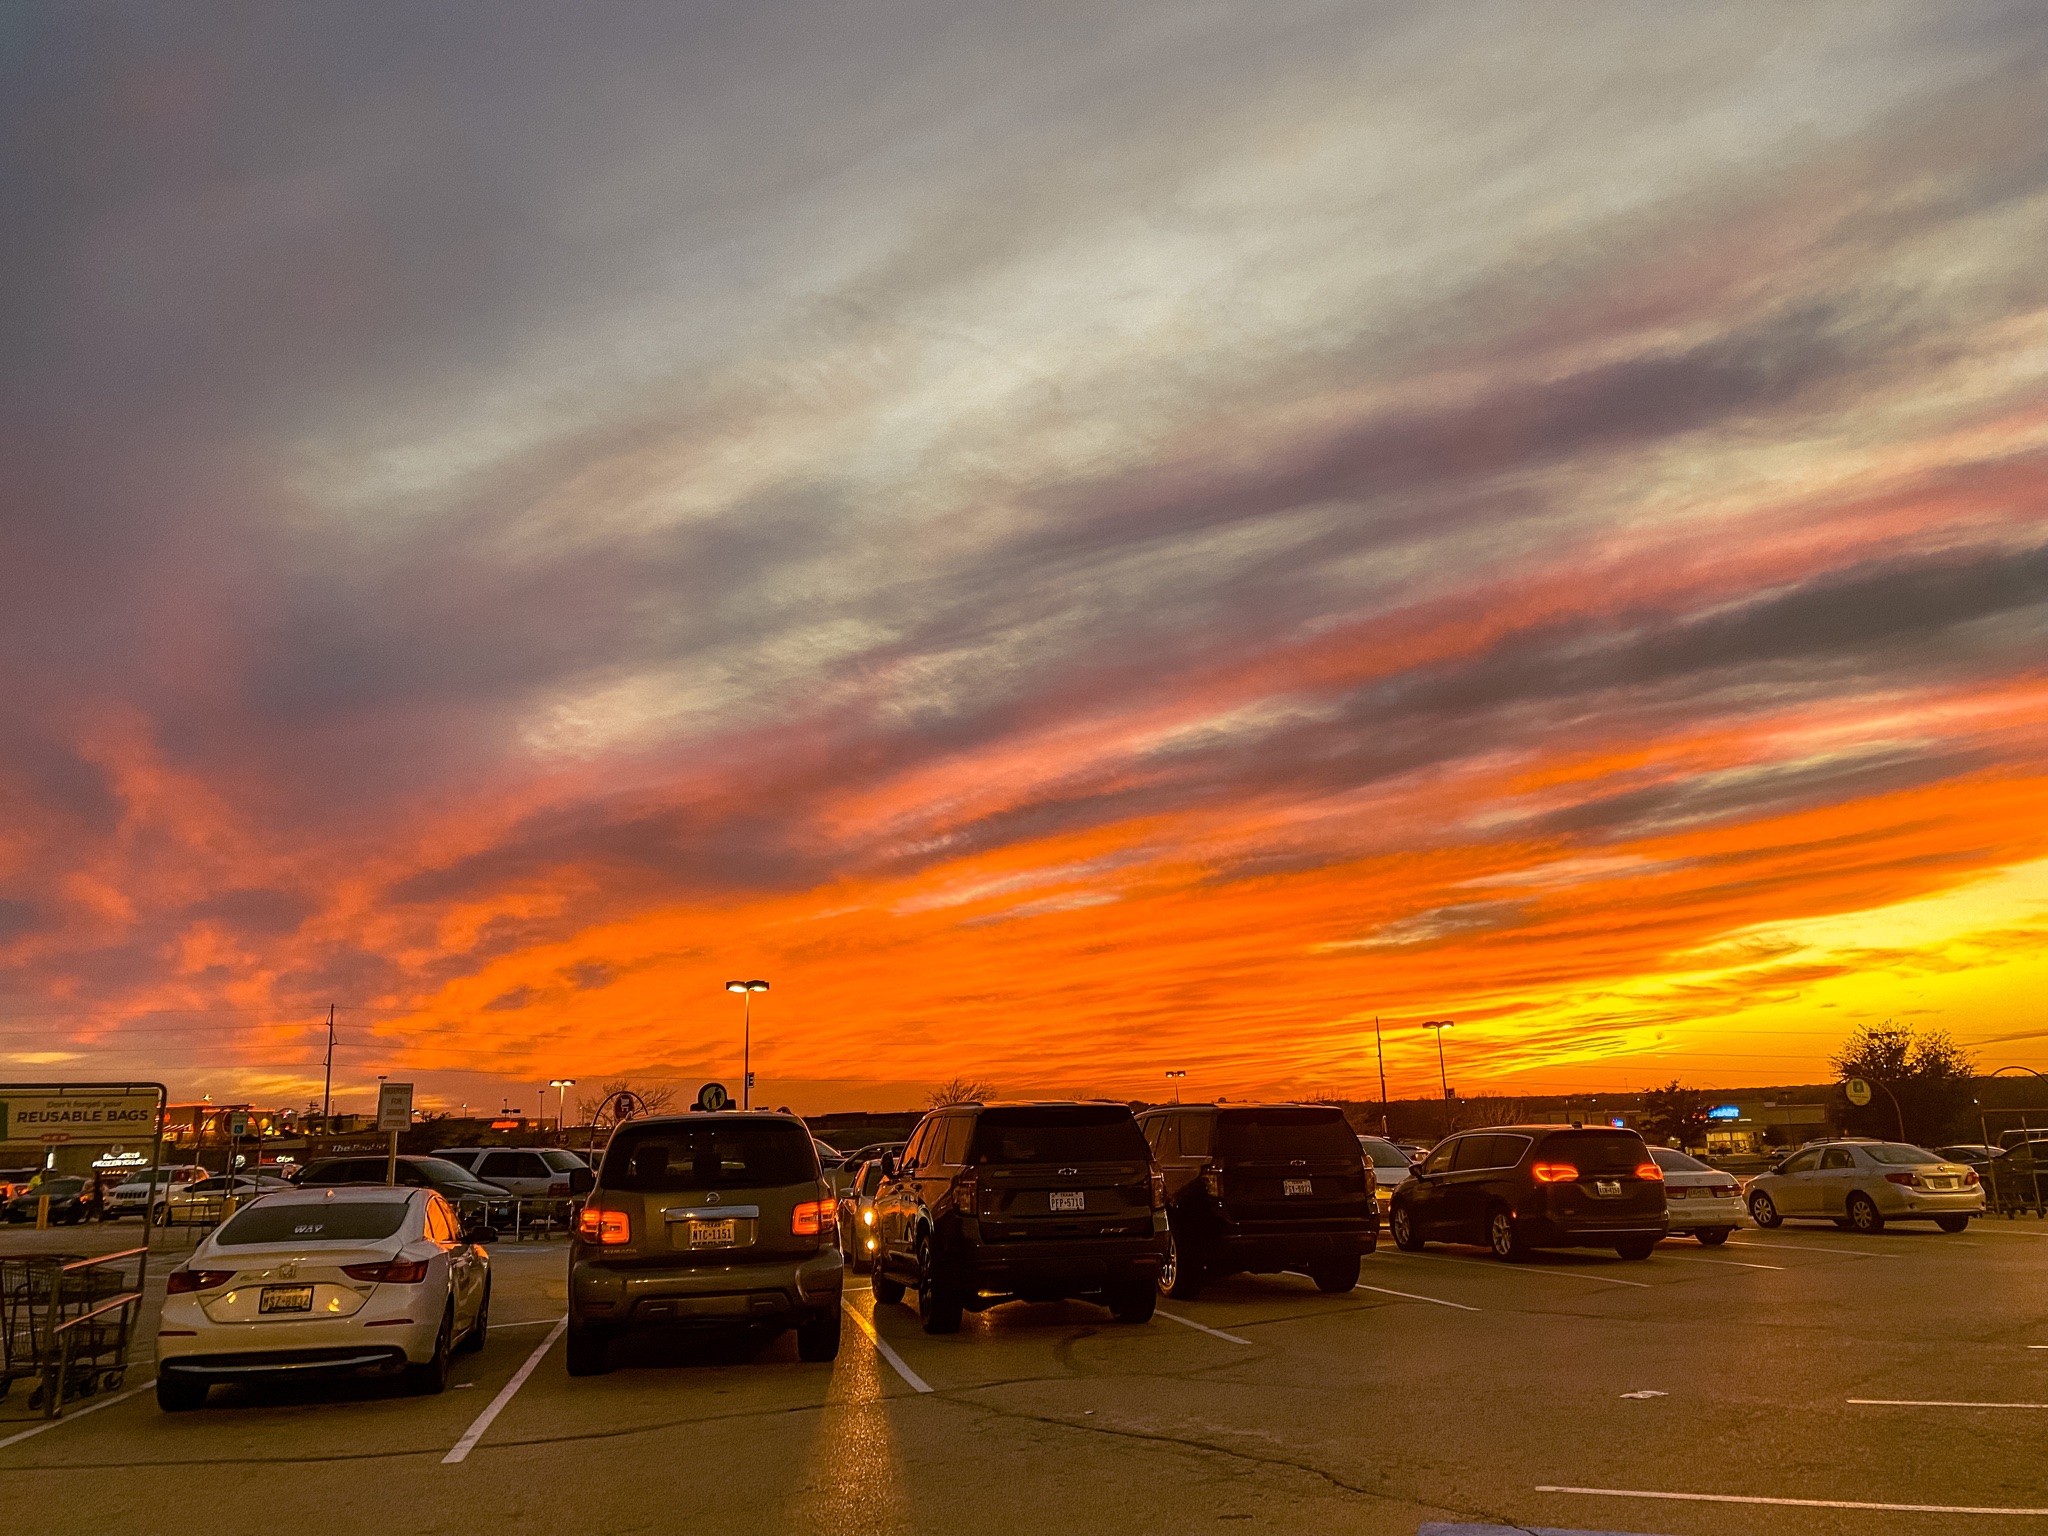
(285, 1298)
(713, 1234)
(1607, 1186)
(1069, 1200)
(1297, 1186)
(1941, 1183)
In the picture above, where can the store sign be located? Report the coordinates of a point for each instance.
(1725, 1112)
(121, 1157)
(78, 1114)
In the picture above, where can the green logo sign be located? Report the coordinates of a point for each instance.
(1858, 1091)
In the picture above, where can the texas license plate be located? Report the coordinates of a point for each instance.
(1297, 1186)
(713, 1234)
(1069, 1200)
(285, 1298)
(1609, 1187)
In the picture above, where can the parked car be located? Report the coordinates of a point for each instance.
(205, 1202)
(15, 1181)
(1261, 1188)
(1391, 1167)
(325, 1280)
(70, 1201)
(718, 1220)
(133, 1197)
(531, 1172)
(1862, 1184)
(857, 1216)
(1703, 1202)
(1521, 1187)
(469, 1194)
(999, 1202)
(1973, 1153)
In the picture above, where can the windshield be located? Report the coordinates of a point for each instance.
(1082, 1133)
(1672, 1161)
(302, 1221)
(708, 1153)
(1285, 1134)
(1384, 1154)
(1899, 1152)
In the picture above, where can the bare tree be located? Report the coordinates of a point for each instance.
(1482, 1110)
(959, 1090)
(653, 1097)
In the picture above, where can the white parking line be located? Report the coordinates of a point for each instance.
(1189, 1322)
(1912, 1402)
(105, 1402)
(1524, 1269)
(475, 1432)
(1750, 1498)
(1724, 1263)
(1435, 1301)
(1859, 1253)
(531, 1322)
(917, 1382)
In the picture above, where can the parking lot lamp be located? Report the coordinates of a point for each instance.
(1440, 1025)
(747, 989)
(561, 1085)
(1174, 1078)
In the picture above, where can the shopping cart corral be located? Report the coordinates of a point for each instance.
(66, 1323)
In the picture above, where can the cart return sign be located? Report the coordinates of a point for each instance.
(78, 1114)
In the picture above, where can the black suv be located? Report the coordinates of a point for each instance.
(1518, 1187)
(1265, 1187)
(1002, 1202)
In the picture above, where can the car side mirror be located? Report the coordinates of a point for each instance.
(480, 1234)
(888, 1165)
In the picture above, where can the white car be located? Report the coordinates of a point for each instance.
(1864, 1184)
(325, 1281)
(131, 1197)
(1704, 1202)
(1390, 1167)
(532, 1173)
(204, 1203)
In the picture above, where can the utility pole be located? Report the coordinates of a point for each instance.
(327, 1087)
(1381, 1046)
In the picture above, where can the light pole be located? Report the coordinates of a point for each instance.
(561, 1085)
(1174, 1078)
(1380, 1046)
(1440, 1025)
(747, 989)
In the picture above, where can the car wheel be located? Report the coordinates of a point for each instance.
(1407, 1237)
(1952, 1223)
(938, 1298)
(479, 1330)
(1336, 1276)
(179, 1393)
(1637, 1248)
(432, 1378)
(1181, 1275)
(1135, 1301)
(818, 1339)
(590, 1349)
(1763, 1210)
(1504, 1239)
(1864, 1216)
(887, 1291)
(1713, 1237)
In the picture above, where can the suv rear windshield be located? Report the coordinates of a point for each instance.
(301, 1221)
(1285, 1134)
(1084, 1133)
(1602, 1150)
(709, 1154)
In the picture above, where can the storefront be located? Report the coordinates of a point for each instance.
(1763, 1125)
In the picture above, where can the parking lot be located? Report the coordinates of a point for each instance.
(1793, 1381)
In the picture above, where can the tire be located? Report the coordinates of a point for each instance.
(1952, 1223)
(1406, 1237)
(1336, 1276)
(1763, 1210)
(1503, 1238)
(887, 1291)
(431, 1379)
(938, 1298)
(1134, 1302)
(1637, 1248)
(1864, 1216)
(1181, 1275)
(590, 1349)
(178, 1393)
(1713, 1237)
(817, 1340)
(479, 1330)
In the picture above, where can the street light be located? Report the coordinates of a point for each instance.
(1440, 1025)
(748, 989)
(1174, 1078)
(561, 1085)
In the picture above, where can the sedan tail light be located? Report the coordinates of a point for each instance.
(1971, 1181)
(1907, 1179)
(812, 1218)
(595, 1224)
(1649, 1170)
(183, 1280)
(393, 1272)
(1554, 1173)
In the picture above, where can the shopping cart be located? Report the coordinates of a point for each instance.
(66, 1323)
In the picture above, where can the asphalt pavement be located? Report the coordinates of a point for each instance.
(1795, 1381)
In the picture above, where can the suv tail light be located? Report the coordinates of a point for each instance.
(1554, 1173)
(1649, 1170)
(397, 1272)
(1212, 1179)
(595, 1224)
(1158, 1190)
(967, 1192)
(812, 1218)
(183, 1280)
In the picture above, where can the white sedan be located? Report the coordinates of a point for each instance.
(325, 1281)
(1703, 1201)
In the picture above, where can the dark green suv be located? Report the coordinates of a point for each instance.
(1032, 1202)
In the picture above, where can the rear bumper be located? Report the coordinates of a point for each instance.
(1074, 1264)
(1570, 1232)
(1694, 1215)
(1904, 1204)
(777, 1291)
(1281, 1245)
(337, 1360)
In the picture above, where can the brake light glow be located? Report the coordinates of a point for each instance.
(1649, 1170)
(595, 1224)
(396, 1272)
(1554, 1173)
(183, 1280)
(813, 1217)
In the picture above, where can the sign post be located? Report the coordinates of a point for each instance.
(1858, 1091)
(394, 1114)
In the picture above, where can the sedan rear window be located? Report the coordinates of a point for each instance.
(1899, 1152)
(1384, 1154)
(1285, 1134)
(1084, 1133)
(1677, 1162)
(709, 1154)
(301, 1221)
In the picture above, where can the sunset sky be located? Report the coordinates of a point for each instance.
(1076, 541)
